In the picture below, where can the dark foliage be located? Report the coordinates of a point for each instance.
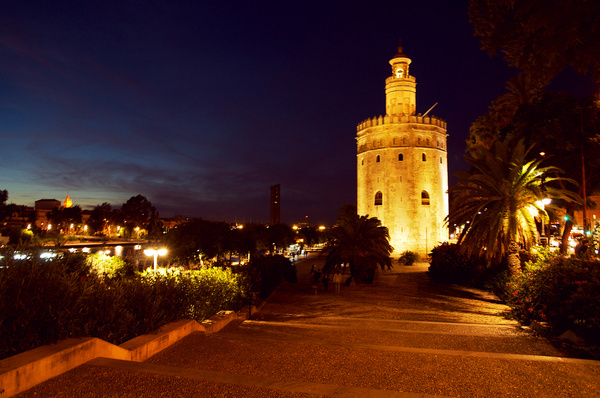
(265, 273)
(41, 303)
(564, 292)
(408, 258)
(450, 265)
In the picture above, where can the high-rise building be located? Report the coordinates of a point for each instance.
(275, 216)
(402, 167)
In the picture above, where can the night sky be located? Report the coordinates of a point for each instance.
(202, 106)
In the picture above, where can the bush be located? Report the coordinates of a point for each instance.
(265, 273)
(108, 266)
(449, 265)
(41, 303)
(564, 292)
(409, 258)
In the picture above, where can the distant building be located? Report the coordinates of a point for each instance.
(275, 217)
(42, 208)
(402, 167)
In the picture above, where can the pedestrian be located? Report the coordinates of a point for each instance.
(325, 282)
(581, 250)
(315, 277)
(337, 280)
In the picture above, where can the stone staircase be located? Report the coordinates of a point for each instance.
(402, 337)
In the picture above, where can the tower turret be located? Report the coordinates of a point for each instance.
(401, 87)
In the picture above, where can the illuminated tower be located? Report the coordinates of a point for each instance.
(402, 167)
(67, 203)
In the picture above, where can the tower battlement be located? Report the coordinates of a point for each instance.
(387, 119)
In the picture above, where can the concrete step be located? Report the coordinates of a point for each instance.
(423, 335)
(377, 366)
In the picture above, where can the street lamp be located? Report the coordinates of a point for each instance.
(542, 203)
(155, 253)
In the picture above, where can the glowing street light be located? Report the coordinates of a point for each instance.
(542, 203)
(155, 253)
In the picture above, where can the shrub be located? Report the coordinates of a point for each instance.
(449, 265)
(265, 273)
(408, 258)
(565, 292)
(41, 303)
(108, 266)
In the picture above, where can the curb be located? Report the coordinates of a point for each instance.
(27, 369)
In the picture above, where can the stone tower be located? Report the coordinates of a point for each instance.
(402, 167)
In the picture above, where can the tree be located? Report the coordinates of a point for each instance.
(100, 217)
(309, 235)
(567, 130)
(541, 37)
(198, 240)
(362, 243)
(65, 217)
(280, 236)
(138, 212)
(487, 128)
(3, 199)
(498, 202)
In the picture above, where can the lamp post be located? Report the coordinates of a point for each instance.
(155, 253)
(542, 203)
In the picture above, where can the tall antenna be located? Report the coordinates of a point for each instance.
(430, 109)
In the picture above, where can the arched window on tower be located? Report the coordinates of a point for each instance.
(404, 140)
(378, 198)
(362, 162)
(441, 160)
(424, 157)
(425, 198)
(378, 159)
(400, 157)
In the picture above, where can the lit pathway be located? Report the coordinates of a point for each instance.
(401, 337)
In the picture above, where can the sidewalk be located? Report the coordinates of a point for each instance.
(401, 337)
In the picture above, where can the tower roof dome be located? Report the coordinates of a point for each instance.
(400, 53)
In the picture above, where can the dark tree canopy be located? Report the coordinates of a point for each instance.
(100, 217)
(138, 212)
(541, 37)
(3, 199)
(65, 216)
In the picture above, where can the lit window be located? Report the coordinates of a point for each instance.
(378, 198)
(425, 198)
(400, 157)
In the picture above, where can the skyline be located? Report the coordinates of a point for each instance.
(201, 108)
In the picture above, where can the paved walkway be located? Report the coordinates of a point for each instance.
(401, 337)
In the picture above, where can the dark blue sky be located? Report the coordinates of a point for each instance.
(202, 106)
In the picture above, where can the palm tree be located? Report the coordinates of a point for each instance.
(362, 243)
(521, 89)
(497, 203)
